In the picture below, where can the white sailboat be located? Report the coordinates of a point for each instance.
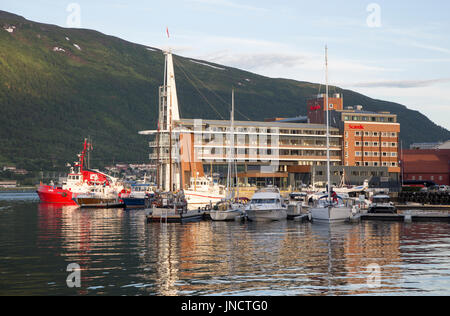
(230, 208)
(329, 209)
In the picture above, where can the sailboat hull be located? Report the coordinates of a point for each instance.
(331, 214)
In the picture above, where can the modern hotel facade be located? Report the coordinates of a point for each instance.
(282, 152)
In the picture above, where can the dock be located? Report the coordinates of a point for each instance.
(103, 205)
(407, 217)
(426, 207)
(172, 216)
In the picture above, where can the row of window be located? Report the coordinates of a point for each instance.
(376, 164)
(375, 154)
(373, 144)
(369, 118)
(376, 134)
(432, 178)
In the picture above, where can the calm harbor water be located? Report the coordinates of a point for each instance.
(120, 254)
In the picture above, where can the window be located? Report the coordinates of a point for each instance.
(385, 154)
(375, 144)
(393, 144)
(366, 154)
(393, 134)
(366, 133)
(432, 178)
(375, 164)
(357, 153)
(375, 153)
(393, 154)
(375, 134)
(366, 144)
(357, 144)
(357, 133)
(394, 164)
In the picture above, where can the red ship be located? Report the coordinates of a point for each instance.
(78, 182)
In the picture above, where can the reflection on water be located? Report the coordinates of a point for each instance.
(119, 253)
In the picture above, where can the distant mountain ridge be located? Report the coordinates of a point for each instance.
(59, 85)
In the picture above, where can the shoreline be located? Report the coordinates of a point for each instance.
(18, 190)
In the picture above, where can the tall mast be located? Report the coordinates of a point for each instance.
(170, 146)
(328, 126)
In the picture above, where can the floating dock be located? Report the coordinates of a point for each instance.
(407, 217)
(172, 216)
(423, 207)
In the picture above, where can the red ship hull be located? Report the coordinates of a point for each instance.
(51, 194)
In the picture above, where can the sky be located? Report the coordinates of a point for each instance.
(390, 50)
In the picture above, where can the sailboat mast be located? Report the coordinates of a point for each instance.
(232, 162)
(328, 125)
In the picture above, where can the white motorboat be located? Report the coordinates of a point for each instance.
(266, 205)
(329, 209)
(298, 204)
(382, 204)
(227, 211)
(204, 191)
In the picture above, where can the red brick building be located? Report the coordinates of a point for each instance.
(427, 164)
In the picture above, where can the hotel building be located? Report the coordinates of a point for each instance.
(286, 153)
(370, 139)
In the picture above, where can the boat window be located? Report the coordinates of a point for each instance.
(264, 201)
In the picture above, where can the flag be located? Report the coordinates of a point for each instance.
(167, 31)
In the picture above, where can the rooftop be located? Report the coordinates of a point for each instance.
(275, 124)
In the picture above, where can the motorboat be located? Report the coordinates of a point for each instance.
(266, 205)
(204, 191)
(99, 197)
(227, 210)
(138, 194)
(298, 204)
(382, 204)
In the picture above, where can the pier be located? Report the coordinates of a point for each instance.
(173, 216)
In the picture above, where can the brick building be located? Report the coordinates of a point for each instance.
(427, 165)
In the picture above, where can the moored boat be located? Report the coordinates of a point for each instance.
(203, 191)
(382, 204)
(79, 181)
(266, 205)
(138, 195)
(330, 208)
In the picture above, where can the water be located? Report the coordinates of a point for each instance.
(120, 254)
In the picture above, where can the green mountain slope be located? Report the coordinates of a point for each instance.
(58, 86)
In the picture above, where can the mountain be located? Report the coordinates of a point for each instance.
(59, 85)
